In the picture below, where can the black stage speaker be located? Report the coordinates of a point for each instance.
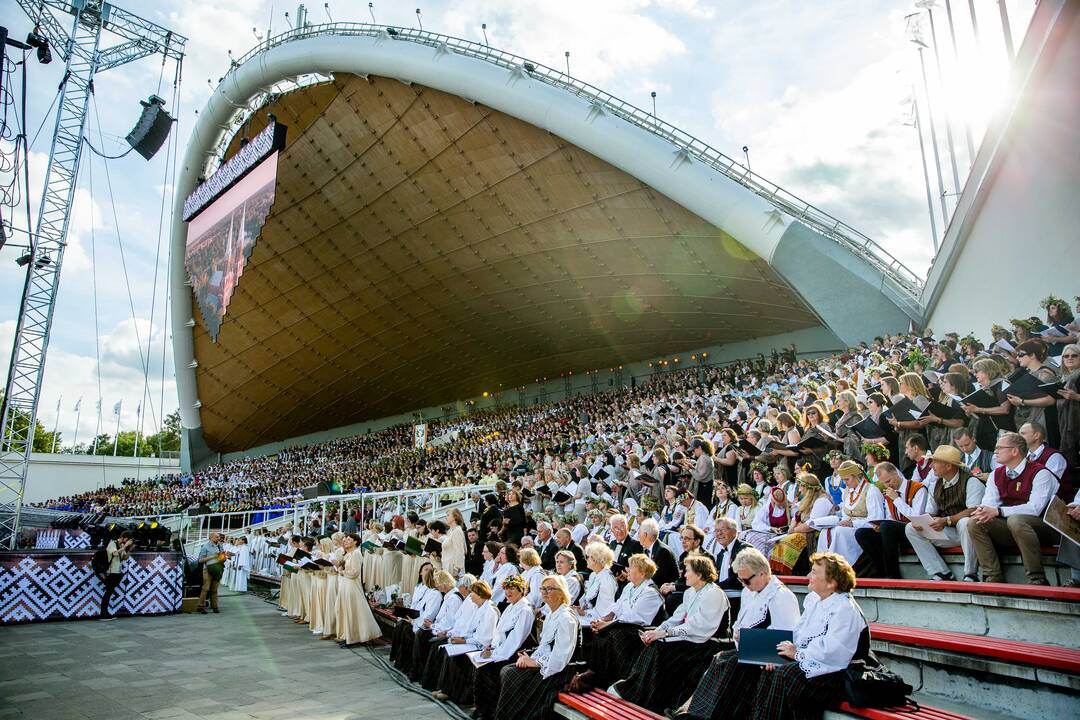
(311, 491)
(153, 128)
(198, 510)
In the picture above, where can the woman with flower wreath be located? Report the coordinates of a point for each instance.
(874, 453)
(861, 506)
(772, 520)
(1059, 314)
(834, 484)
(758, 478)
(748, 506)
(789, 551)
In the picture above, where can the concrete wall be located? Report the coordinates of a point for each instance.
(1014, 239)
(810, 342)
(52, 476)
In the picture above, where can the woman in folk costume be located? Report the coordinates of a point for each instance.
(615, 641)
(672, 518)
(529, 687)
(333, 574)
(242, 568)
(437, 584)
(834, 484)
(599, 594)
(410, 564)
(317, 605)
(229, 548)
(392, 559)
(861, 506)
(302, 598)
(830, 634)
(373, 557)
(353, 620)
(758, 479)
(679, 649)
(748, 507)
(511, 634)
(285, 594)
(451, 678)
(453, 552)
(724, 506)
(813, 503)
(771, 521)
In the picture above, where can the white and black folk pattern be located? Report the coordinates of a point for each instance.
(48, 586)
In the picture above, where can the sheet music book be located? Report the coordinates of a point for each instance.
(867, 428)
(433, 546)
(413, 546)
(749, 448)
(921, 523)
(400, 611)
(463, 649)
(1003, 345)
(1057, 517)
(476, 660)
(758, 646)
(1026, 386)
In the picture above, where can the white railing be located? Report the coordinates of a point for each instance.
(898, 281)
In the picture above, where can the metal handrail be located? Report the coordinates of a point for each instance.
(905, 283)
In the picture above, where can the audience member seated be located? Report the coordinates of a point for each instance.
(825, 640)
(952, 497)
(881, 542)
(614, 637)
(667, 569)
(862, 505)
(511, 634)
(1010, 514)
(456, 672)
(435, 635)
(790, 551)
(600, 589)
(723, 545)
(679, 649)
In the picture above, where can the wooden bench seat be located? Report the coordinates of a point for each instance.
(1042, 592)
(1012, 651)
(600, 705)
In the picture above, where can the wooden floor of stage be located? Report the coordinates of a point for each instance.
(247, 663)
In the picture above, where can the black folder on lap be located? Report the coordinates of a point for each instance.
(758, 647)
(749, 448)
(401, 611)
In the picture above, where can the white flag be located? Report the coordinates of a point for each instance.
(78, 404)
(116, 407)
(138, 410)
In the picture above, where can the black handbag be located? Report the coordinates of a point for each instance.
(869, 684)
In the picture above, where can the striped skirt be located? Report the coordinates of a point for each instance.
(665, 673)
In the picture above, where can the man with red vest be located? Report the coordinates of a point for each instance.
(904, 499)
(1010, 516)
(1038, 451)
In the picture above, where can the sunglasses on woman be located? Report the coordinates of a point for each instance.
(746, 580)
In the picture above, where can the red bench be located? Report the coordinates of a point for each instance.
(599, 705)
(1014, 651)
(1041, 592)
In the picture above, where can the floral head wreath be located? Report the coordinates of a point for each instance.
(1023, 323)
(541, 517)
(970, 339)
(838, 454)
(517, 583)
(1050, 300)
(916, 357)
(875, 450)
(1000, 332)
(756, 465)
(648, 503)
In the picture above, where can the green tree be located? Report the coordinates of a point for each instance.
(43, 441)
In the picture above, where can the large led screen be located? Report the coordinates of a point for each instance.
(221, 237)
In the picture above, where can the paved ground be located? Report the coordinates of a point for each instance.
(247, 662)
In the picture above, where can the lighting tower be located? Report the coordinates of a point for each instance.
(81, 51)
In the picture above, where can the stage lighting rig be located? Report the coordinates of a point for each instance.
(41, 43)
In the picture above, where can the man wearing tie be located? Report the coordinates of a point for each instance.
(724, 546)
(545, 545)
(667, 569)
(979, 462)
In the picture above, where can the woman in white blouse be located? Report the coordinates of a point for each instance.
(432, 634)
(565, 565)
(490, 550)
(510, 635)
(532, 574)
(455, 674)
(765, 602)
(679, 649)
(861, 505)
(600, 590)
(439, 585)
(826, 639)
(615, 642)
(453, 542)
(528, 688)
(505, 568)
(426, 600)
(459, 627)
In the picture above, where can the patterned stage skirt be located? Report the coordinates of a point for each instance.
(524, 695)
(666, 673)
(612, 652)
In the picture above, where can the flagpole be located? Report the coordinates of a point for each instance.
(116, 435)
(138, 426)
(78, 414)
(925, 172)
(56, 425)
(97, 428)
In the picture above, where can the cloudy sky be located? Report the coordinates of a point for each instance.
(819, 91)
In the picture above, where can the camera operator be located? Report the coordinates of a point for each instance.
(117, 551)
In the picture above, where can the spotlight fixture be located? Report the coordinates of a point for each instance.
(529, 67)
(36, 40)
(23, 260)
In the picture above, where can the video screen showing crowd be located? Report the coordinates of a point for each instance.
(643, 550)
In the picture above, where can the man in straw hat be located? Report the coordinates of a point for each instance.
(952, 497)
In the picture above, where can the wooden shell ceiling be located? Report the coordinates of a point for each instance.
(423, 249)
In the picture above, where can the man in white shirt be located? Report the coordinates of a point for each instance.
(979, 462)
(1011, 512)
(904, 499)
(951, 498)
(1038, 451)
